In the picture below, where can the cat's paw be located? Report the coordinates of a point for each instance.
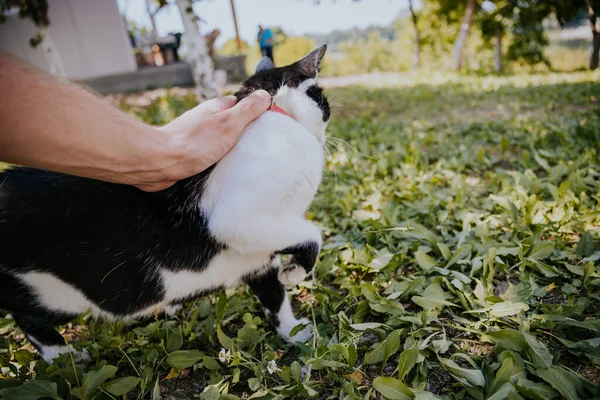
(302, 336)
(49, 353)
(292, 275)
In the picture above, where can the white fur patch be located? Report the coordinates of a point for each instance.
(302, 108)
(226, 269)
(287, 322)
(49, 353)
(55, 294)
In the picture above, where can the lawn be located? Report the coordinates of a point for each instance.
(461, 260)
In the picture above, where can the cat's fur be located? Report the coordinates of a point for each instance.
(70, 245)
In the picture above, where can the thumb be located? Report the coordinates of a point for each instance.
(248, 109)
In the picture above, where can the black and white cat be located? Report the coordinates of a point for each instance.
(71, 245)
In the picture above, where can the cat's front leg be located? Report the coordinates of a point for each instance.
(303, 260)
(274, 298)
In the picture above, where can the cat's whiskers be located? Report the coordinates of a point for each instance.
(351, 159)
(334, 166)
(352, 147)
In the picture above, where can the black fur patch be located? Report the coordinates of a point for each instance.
(292, 76)
(104, 239)
(316, 93)
(305, 255)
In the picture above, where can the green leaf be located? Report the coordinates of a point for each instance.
(254, 384)
(174, 340)
(296, 371)
(504, 392)
(366, 326)
(508, 372)
(32, 390)
(369, 291)
(156, 391)
(444, 250)
(94, 379)
(424, 261)
(585, 247)
(541, 250)
(560, 380)
(535, 390)
(121, 386)
(318, 363)
(542, 357)
(468, 377)
(184, 358)
(392, 389)
(461, 253)
(225, 341)
(383, 259)
(407, 360)
(503, 309)
(385, 349)
(420, 232)
(432, 299)
(509, 339)
(211, 363)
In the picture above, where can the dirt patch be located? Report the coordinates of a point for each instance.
(184, 388)
(553, 297)
(439, 381)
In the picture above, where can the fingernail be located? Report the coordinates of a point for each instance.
(263, 94)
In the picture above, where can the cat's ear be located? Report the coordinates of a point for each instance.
(312, 62)
(265, 64)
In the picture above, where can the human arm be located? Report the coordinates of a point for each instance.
(49, 124)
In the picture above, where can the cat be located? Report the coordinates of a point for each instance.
(71, 245)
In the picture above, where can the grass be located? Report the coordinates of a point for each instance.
(460, 261)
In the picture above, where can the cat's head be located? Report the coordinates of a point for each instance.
(294, 89)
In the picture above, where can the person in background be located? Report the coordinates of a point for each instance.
(265, 40)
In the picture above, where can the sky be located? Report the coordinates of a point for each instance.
(296, 17)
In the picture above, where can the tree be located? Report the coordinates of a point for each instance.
(417, 36)
(594, 15)
(202, 65)
(463, 34)
(37, 11)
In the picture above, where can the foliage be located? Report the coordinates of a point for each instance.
(36, 10)
(460, 261)
(287, 50)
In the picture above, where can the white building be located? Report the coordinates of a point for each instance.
(89, 36)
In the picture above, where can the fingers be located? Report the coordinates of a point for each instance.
(155, 187)
(248, 110)
(220, 103)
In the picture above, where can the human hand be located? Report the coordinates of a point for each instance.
(199, 138)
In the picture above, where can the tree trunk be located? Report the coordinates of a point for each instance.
(595, 22)
(463, 34)
(417, 37)
(202, 67)
(55, 63)
(498, 52)
(151, 15)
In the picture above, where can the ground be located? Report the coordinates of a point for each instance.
(461, 255)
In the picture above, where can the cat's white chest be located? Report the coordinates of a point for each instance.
(276, 167)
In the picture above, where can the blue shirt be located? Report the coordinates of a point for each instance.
(267, 34)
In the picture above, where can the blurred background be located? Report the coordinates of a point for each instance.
(117, 46)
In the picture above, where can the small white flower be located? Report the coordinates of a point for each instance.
(272, 367)
(225, 355)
